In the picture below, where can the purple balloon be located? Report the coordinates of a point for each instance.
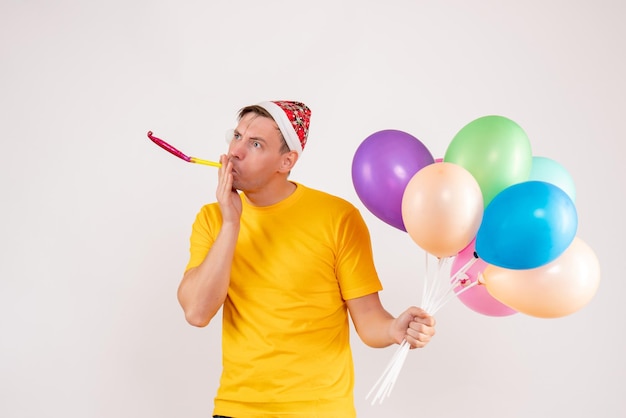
(382, 167)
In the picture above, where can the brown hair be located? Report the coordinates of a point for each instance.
(260, 111)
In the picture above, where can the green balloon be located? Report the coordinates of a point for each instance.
(495, 150)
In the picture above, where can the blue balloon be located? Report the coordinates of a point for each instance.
(526, 225)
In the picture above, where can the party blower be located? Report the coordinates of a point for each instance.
(167, 147)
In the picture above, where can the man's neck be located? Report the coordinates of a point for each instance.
(271, 195)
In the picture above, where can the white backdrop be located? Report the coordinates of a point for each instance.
(95, 218)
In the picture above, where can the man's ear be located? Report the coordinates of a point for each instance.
(288, 161)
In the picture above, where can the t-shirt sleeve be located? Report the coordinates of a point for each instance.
(203, 233)
(356, 272)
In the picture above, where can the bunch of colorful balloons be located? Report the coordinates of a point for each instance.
(505, 217)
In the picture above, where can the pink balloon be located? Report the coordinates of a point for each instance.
(476, 298)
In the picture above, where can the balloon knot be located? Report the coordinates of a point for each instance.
(480, 278)
(464, 280)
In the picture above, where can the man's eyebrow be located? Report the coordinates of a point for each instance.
(258, 139)
(255, 138)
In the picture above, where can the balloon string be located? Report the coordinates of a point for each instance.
(463, 270)
(466, 288)
(385, 382)
(435, 290)
(386, 371)
(449, 293)
(425, 279)
(434, 297)
(427, 288)
(435, 286)
(395, 372)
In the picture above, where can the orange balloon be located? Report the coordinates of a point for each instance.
(442, 207)
(553, 290)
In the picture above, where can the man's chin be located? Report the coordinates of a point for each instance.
(237, 186)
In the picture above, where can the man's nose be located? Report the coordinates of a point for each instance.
(236, 149)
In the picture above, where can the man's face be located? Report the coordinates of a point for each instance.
(255, 152)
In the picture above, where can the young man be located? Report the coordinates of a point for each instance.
(287, 264)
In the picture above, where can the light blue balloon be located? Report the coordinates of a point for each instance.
(526, 225)
(550, 171)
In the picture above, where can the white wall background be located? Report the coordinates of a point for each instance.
(95, 218)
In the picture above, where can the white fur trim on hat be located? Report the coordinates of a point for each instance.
(284, 124)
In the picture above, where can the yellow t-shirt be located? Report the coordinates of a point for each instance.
(285, 338)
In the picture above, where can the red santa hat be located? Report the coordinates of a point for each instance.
(293, 120)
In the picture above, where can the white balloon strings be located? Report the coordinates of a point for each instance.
(437, 291)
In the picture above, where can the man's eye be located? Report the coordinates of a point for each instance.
(256, 144)
(237, 136)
